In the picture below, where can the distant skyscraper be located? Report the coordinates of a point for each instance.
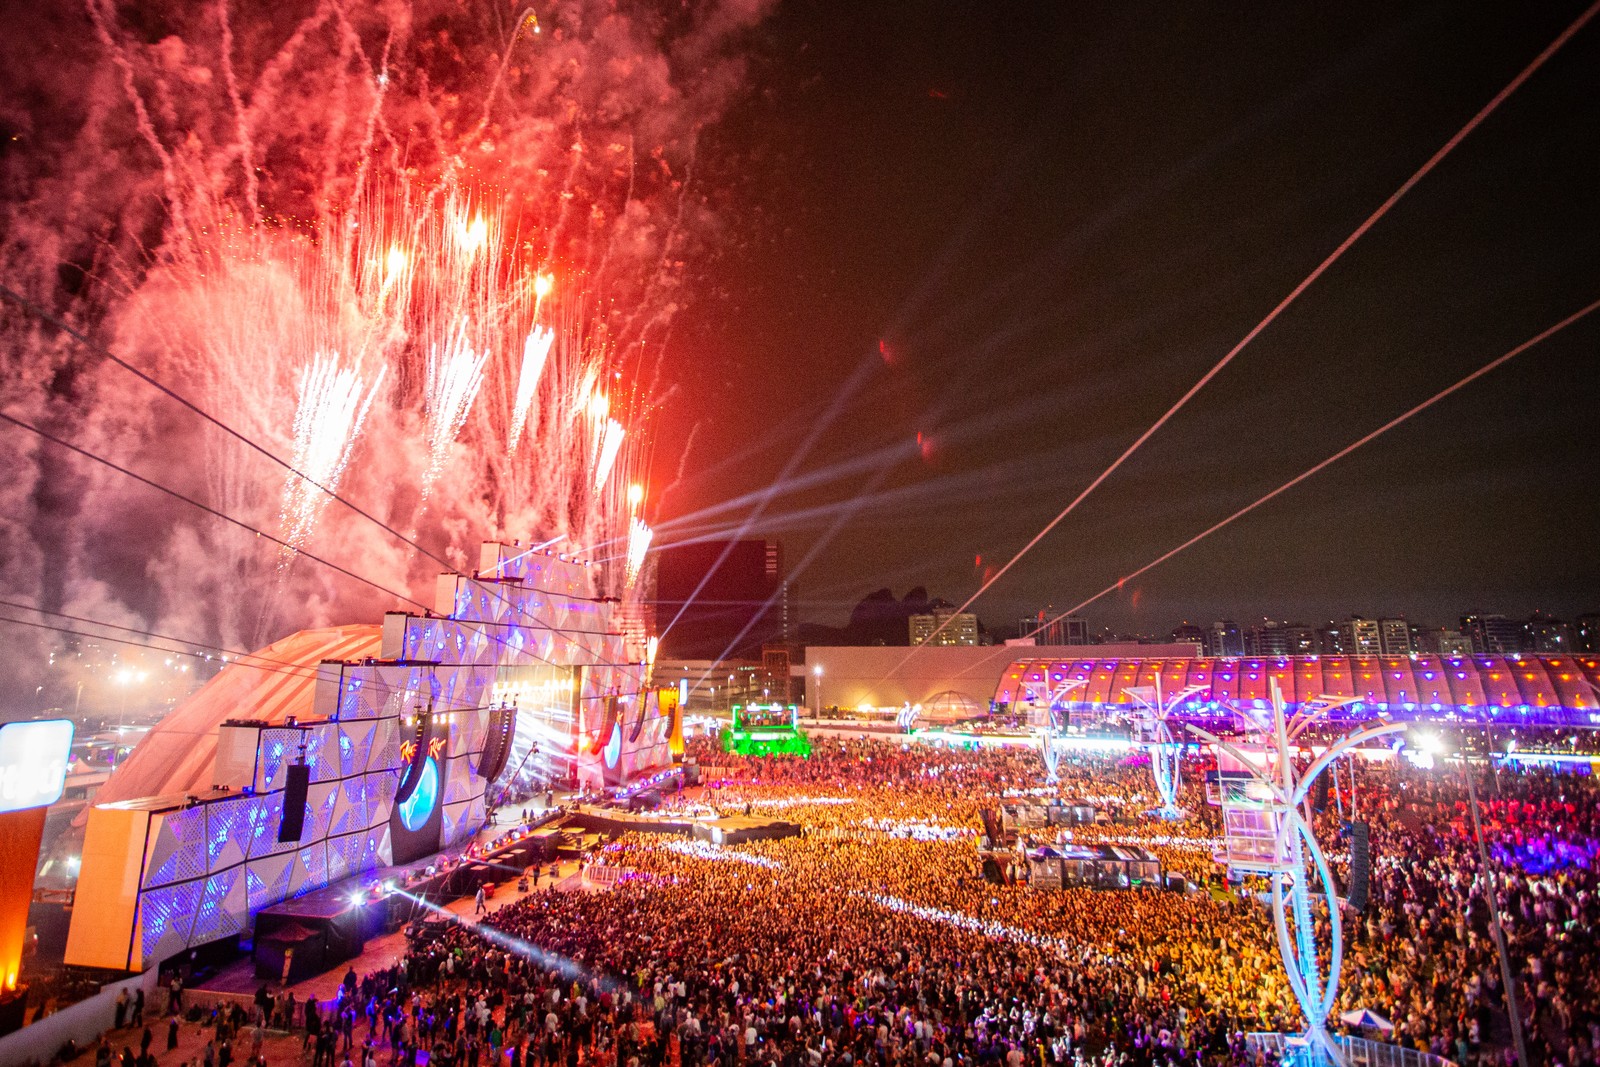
(1587, 637)
(1268, 639)
(1359, 637)
(1224, 639)
(953, 628)
(1330, 639)
(1441, 642)
(1067, 630)
(1189, 632)
(1394, 637)
(1494, 634)
(1541, 633)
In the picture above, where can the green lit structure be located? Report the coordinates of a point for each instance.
(766, 730)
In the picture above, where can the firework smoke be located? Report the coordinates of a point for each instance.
(220, 195)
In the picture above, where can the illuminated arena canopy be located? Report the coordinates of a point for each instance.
(1537, 690)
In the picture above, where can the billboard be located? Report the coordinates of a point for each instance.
(33, 763)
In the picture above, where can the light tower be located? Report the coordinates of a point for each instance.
(1291, 855)
(1165, 750)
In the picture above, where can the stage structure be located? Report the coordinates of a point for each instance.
(1166, 750)
(1272, 802)
(1049, 717)
(766, 730)
(386, 761)
(1513, 689)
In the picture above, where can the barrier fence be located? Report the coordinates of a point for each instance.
(1358, 1051)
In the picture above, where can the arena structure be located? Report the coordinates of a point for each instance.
(340, 751)
(1533, 690)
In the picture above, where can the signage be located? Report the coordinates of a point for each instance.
(33, 763)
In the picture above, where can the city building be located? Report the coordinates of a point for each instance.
(1493, 633)
(1049, 630)
(1541, 633)
(1394, 637)
(1188, 631)
(1280, 639)
(1330, 639)
(944, 626)
(1442, 641)
(1223, 639)
(1359, 637)
(721, 599)
(1587, 636)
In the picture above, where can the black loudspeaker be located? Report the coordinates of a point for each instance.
(1319, 790)
(1360, 864)
(295, 787)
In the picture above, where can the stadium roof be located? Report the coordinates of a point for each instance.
(1536, 689)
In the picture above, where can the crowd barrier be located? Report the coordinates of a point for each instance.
(600, 874)
(1358, 1051)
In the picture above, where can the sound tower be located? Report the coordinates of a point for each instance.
(1360, 864)
(297, 783)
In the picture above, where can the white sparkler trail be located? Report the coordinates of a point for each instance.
(332, 403)
(535, 351)
(455, 373)
(639, 535)
(610, 445)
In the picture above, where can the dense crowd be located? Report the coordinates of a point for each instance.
(853, 945)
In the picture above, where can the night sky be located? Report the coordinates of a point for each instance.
(1022, 231)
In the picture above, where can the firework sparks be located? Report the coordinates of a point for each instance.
(535, 351)
(455, 373)
(610, 445)
(639, 536)
(332, 404)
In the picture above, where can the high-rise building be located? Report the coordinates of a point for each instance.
(1359, 637)
(1441, 642)
(1189, 632)
(1050, 630)
(1493, 634)
(1541, 633)
(1587, 636)
(1267, 639)
(1394, 637)
(1223, 639)
(720, 599)
(1330, 639)
(953, 628)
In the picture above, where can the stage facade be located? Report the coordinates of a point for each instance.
(519, 671)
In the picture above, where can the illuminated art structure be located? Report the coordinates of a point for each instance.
(331, 768)
(766, 730)
(1536, 690)
(1267, 833)
(1166, 751)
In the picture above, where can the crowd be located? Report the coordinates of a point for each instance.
(854, 946)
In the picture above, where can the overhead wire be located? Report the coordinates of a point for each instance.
(1282, 305)
(100, 350)
(1365, 439)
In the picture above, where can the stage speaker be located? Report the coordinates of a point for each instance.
(1360, 864)
(1319, 790)
(296, 785)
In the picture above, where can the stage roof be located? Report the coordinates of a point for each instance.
(178, 754)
